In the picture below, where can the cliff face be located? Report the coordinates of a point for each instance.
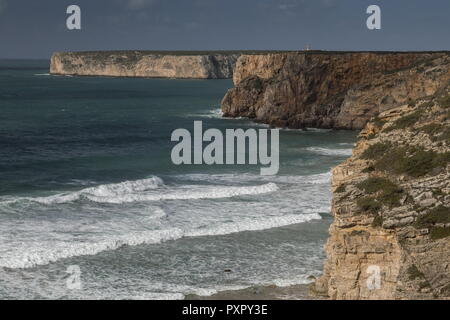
(142, 64)
(330, 90)
(391, 206)
(390, 238)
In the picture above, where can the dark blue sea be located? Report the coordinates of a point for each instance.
(87, 184)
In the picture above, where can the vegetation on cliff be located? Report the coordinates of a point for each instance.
(392, 207)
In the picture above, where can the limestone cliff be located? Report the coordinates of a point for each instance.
(144, 64)
(330, 90)
(390, 238)
(391, 207)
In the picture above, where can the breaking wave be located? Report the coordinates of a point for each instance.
(330, 151)
(41, 255)
(151, 189)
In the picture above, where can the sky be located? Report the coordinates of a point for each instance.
(36, 29)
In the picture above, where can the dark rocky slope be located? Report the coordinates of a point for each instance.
(330, 90)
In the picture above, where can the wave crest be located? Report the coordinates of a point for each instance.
(42, 255)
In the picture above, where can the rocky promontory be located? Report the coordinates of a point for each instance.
(181, 65)
(330, 89)
(390, 238)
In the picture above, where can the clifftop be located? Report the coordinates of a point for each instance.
(391, 206)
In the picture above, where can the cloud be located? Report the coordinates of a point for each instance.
(293, 4)
(3, 6)
(139, 4)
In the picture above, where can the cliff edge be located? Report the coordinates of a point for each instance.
(144, 64)
(390, 238)
(330, 90)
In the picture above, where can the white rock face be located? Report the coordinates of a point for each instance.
(142, 64)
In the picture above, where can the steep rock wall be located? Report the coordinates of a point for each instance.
(330, 90)
(391, 208)
(142, 64)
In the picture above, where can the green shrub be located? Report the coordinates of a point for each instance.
(413, 161)
(390, 193)
(438, 193)
(378, 122)
(377, 221)
(376, 151)
(427, 105)
(406, 121)
(415, 273)
(375, 184)
(411, 103)
(437, 132)
(431, 129)
(368, 169)
(440, 214)
(340, 189)
(445, 102)
(368, 204)
(437, 233)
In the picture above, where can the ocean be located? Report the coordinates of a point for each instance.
(91, 206)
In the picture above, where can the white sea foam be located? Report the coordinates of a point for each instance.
(331, 151)
(104, 191)
(154, 296)
(320, 178)
(215, 113)
(148, 190)
(40, 254)
(254, 225)
(187, 193)
(292, 282)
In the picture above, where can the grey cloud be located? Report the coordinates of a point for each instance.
(3, 5)
(140, 4)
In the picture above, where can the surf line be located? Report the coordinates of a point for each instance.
(236, 147)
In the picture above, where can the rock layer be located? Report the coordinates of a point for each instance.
(390, 238)
(330, 90)
(143, 64)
